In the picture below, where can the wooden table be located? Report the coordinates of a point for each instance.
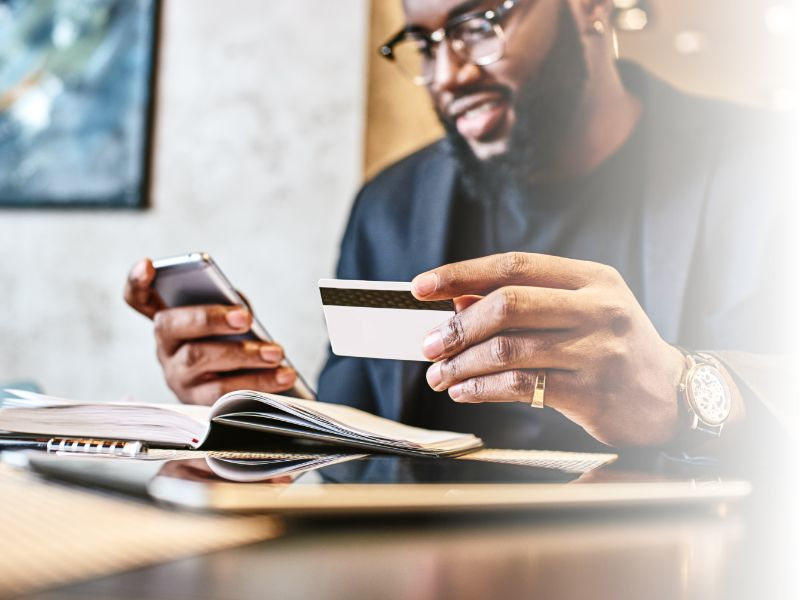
(747, 552)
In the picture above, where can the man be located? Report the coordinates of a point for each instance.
(589, 219)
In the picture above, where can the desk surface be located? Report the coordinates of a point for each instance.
(745, 550)
(650, 555)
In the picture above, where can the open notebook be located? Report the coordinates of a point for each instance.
(179, 425)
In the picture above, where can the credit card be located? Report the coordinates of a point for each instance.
(379, 319)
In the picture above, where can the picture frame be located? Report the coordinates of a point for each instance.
(77, 102)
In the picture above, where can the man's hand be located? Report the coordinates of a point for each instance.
(198, 368)
(607, 368)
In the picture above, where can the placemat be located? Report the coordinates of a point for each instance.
(570, 462)
(52, 535)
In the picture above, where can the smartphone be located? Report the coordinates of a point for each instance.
(194, 278)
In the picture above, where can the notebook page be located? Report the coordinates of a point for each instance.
(33, 400)
(363, 423)
(161, 423)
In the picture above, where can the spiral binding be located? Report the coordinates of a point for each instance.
(103, 447)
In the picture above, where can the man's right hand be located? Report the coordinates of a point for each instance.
(198, 368)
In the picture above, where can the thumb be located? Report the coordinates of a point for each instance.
(139, 292)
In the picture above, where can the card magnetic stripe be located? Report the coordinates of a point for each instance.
(380, 299)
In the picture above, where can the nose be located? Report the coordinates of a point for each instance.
(450, 70)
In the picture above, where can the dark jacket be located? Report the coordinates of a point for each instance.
(720, 271)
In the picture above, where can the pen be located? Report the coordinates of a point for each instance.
(16, 444)
(83, 446)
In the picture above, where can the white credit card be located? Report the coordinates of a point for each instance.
(379, 319)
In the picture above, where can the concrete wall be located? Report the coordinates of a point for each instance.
(257, 157)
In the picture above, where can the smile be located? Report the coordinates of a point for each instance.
(481, 116)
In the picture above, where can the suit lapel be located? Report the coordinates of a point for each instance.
(675, 187)
(430, 222)
(431, 217)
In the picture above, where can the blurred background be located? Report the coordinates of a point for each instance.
(268, 117)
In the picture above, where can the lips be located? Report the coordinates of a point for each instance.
(480, 116)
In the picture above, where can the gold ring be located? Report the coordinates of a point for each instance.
(538, 389)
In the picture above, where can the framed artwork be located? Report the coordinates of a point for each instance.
(76, 102)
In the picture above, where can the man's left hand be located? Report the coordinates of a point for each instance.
(607, 367)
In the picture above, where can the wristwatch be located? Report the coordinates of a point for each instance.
(705, 394)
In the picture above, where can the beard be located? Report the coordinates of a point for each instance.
(545, 109)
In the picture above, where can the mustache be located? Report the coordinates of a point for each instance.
(444, 110)
(544, 106)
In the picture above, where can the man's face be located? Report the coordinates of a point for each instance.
(480, 102)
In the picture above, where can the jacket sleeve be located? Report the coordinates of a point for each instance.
(749, 271)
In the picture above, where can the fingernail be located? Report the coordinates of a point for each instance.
(271, 354)
(285, 376)
(433, 345)
(455, 391)
(237, 319)
(434, 375)
(425, 284)
(140, 271)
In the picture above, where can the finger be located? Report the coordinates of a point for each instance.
(519, 350)
(176, 325)
(464, 302)
(196, 360)
(514, 386)
(503, 310)
(484, 275)
(139, 292)
(272, 382)
(246, 301)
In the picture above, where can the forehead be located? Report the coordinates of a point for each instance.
(432, 14)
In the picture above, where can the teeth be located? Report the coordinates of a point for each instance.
(486, 106)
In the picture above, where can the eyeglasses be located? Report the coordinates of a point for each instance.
(477, 38)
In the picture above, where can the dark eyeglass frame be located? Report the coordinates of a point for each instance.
(494, 16)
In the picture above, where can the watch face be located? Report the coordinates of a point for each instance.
(709, 395)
